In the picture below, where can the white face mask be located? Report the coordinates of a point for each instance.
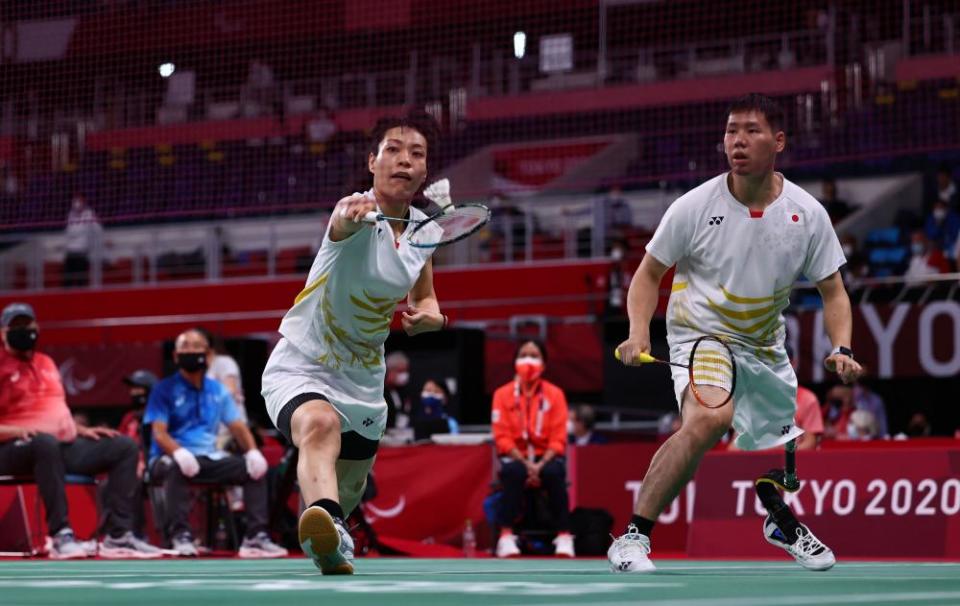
(616, 254)
(530, 360)
(847, 250)
(939, 214)
(402, 378)
(569, 427)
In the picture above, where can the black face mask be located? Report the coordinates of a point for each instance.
(191, 361)
(22, 339)
(139, 401)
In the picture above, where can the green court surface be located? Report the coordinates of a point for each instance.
(386, 581)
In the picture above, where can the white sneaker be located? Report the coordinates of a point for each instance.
(564, 546)
(507, 546)
(324, 539)
(260, 546)
(128, 546)
(184, 546)
(807, 549)
(631, 552)
(65, 546)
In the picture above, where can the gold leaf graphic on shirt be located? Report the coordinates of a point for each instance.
(309, 289)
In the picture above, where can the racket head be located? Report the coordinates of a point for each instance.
(449, 226)
(713, 372)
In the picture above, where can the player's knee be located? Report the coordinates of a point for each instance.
(317, 425)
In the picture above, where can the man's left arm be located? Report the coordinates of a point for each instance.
(838, 321)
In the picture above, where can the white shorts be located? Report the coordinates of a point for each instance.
(764, 400)
(290, 373)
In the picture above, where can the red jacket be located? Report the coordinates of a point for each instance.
(32, 397)
(538, 421)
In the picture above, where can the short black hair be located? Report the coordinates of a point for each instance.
(538, 343)
(420, 121)
(586, 415)
(763, 104)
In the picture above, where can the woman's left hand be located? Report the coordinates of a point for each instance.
(417, 321)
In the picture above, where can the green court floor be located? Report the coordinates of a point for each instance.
(384, 582)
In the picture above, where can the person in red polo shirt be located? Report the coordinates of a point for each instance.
(39, 437)
(530, 431)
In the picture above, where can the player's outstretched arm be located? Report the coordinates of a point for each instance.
(838, 320)
(423, 309)
(347, 217)
(642, 298)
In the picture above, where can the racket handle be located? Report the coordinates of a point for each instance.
(643, 358)
(370, 217)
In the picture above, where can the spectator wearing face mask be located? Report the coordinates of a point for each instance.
(946, 188)
(942, 227)
(139, 383)
(925, 259)
(581, 424)
(432, 414)
(396, 394)
(529, 422)
(862, 425)
(857, 265)
(185, 411)
(39, 437)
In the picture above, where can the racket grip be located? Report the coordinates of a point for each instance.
(370, 217)
(643, 358)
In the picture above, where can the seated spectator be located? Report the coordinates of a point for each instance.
(529, 422)
(836, 207)
(395, 390)
(925, 258)
(38, 437)
(139, 383)
(185, 411)
(862, 425)
(668, 424)
(836, 409)
(432, 415)
(946, 188)
(942, 227)
(918, 426)
(865, 399)
(808, 416)
(582, 421)
(857, 265)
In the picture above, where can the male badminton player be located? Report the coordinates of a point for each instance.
(323, 384)
(739, 242)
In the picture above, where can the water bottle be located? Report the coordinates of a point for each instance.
(469, 540)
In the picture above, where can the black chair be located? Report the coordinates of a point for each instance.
(30, 549)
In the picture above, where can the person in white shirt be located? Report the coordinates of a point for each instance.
(324, 383)
(739, 242)
(81, 239)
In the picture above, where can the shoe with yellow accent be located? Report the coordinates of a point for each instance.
(324, 539)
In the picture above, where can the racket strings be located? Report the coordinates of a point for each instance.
(453, 225)
(711, 364)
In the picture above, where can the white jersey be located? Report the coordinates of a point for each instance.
(734, 270)
(342, 317)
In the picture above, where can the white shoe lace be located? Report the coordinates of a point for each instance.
(807, 544)
(623, 546)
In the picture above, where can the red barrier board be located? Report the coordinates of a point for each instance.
(897, 502)
(426, 493)
(608, 476)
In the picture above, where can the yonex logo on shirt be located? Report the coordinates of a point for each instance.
(715, 221)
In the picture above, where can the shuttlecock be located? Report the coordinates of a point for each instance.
(439, 193)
